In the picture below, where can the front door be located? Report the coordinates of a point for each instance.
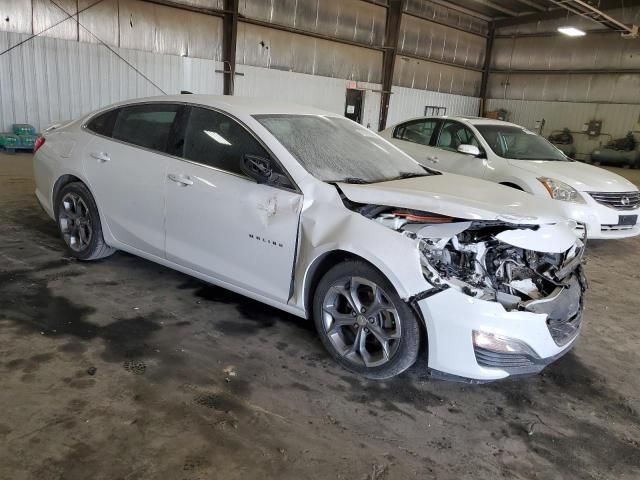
(222, 223)
(354, 104)
(446, 157)
(127, 172)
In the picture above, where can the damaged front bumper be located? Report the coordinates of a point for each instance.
(548, 328)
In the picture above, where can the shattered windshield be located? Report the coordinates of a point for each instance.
(517, 143)
(336, 149)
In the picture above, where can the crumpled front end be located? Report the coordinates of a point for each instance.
(507, 298)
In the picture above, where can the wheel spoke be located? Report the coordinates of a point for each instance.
(339, 319)
(342, 290)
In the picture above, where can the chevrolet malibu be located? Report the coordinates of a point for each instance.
(603, 204)
(314, 214)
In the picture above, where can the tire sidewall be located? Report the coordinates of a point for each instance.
(407, 351)
(96, 228)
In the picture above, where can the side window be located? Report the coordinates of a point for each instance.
(146, 125)
(103, 123)
(214, 139)
(454, 134)
(418, 131)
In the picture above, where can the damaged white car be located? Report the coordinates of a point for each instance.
(309, 212)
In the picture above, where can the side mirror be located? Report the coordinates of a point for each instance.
(469, 150)
(258, 168)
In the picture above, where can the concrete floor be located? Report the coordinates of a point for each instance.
(193, 382)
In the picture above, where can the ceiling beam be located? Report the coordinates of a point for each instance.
(460, 9)
(532, 18)
(534, 5)
(495, 6)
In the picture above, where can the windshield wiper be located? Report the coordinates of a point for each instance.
(356, 180)
(404, 175)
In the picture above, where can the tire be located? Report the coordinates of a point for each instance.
(79, 223)
(340, 328)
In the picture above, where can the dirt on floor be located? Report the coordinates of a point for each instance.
(123, 369)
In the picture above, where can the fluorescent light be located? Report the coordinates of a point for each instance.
(571, 31)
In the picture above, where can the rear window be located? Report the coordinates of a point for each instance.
(103, 123)
(146, 125)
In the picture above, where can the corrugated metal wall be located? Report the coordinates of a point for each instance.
(321, 92)
(65, 72)
(50, 79)
(617, 119)
(268, 48)
(408, 103)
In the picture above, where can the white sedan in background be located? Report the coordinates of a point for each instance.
(604, 203)
(314, 214)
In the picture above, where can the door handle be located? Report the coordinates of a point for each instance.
(101, 156)
(181, 179)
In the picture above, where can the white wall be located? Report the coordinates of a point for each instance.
(617, 119)
(49, 79)
(410, 102)
(320, 92)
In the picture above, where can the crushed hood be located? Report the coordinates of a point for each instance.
(457, 196)
(581, 176)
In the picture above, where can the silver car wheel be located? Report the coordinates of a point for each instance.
(75, 222)
(361, 322)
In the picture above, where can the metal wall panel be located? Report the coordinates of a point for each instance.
(617, 119)
(345, 19)
(50, 79)
(409, 103)
(161, 29)
(46, 14)
(210, 4)
(100, 19)
(446, 15)
(598, 88)
(438, 42)
(317, 91)
(16, 16)
(425, 75)
(268, 48)
(600, 51)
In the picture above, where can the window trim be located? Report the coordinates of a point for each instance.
(410, 122)
(180, 119)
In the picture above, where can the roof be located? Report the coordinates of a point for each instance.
(233, 104)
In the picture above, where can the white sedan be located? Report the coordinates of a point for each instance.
(603, 203)
(311, 213)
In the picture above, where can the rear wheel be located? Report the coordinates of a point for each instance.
(363, 323)
(79, 223)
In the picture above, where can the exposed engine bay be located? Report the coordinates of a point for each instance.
(471, 257)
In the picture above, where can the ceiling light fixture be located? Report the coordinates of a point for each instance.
(571, 31)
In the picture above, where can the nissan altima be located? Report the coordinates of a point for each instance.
(603, 204)
(318, 216)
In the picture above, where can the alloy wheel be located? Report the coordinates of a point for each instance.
(361, 322)
(75, 222)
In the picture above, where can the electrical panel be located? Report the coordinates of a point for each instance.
(593, 128)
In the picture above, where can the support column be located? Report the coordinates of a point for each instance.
(392, 30)
(229, 41)
(486, 69)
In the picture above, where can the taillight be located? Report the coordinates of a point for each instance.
(39, 142)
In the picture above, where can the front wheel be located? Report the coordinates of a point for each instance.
(363, 323)
(79, 223)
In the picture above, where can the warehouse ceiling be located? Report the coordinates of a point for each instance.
(513, 12)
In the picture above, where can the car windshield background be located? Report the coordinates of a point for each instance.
(336, 149)
(454, 134)
(516, 143)
(419, 131)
